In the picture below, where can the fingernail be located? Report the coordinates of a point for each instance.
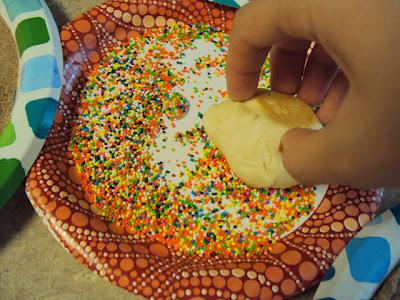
(281, 148)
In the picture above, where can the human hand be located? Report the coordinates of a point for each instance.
(360, 105)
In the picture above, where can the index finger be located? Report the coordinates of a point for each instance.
(257, 26)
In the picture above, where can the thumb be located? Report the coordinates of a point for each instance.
(339, 153)
(306, 156)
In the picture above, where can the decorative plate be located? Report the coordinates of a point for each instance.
(297, 261)
(38, 89)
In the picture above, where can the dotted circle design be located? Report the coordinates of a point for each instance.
(150, 269)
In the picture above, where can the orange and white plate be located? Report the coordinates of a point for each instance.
(297, 259)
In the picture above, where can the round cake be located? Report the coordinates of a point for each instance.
(249, 135)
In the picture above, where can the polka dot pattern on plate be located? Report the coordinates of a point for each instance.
(150, 269)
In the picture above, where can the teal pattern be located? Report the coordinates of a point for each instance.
(232, 3)
(18, 7)
(40, 115)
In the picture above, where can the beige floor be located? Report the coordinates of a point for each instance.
(34, 266)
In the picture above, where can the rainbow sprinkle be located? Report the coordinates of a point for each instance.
(147, 163)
